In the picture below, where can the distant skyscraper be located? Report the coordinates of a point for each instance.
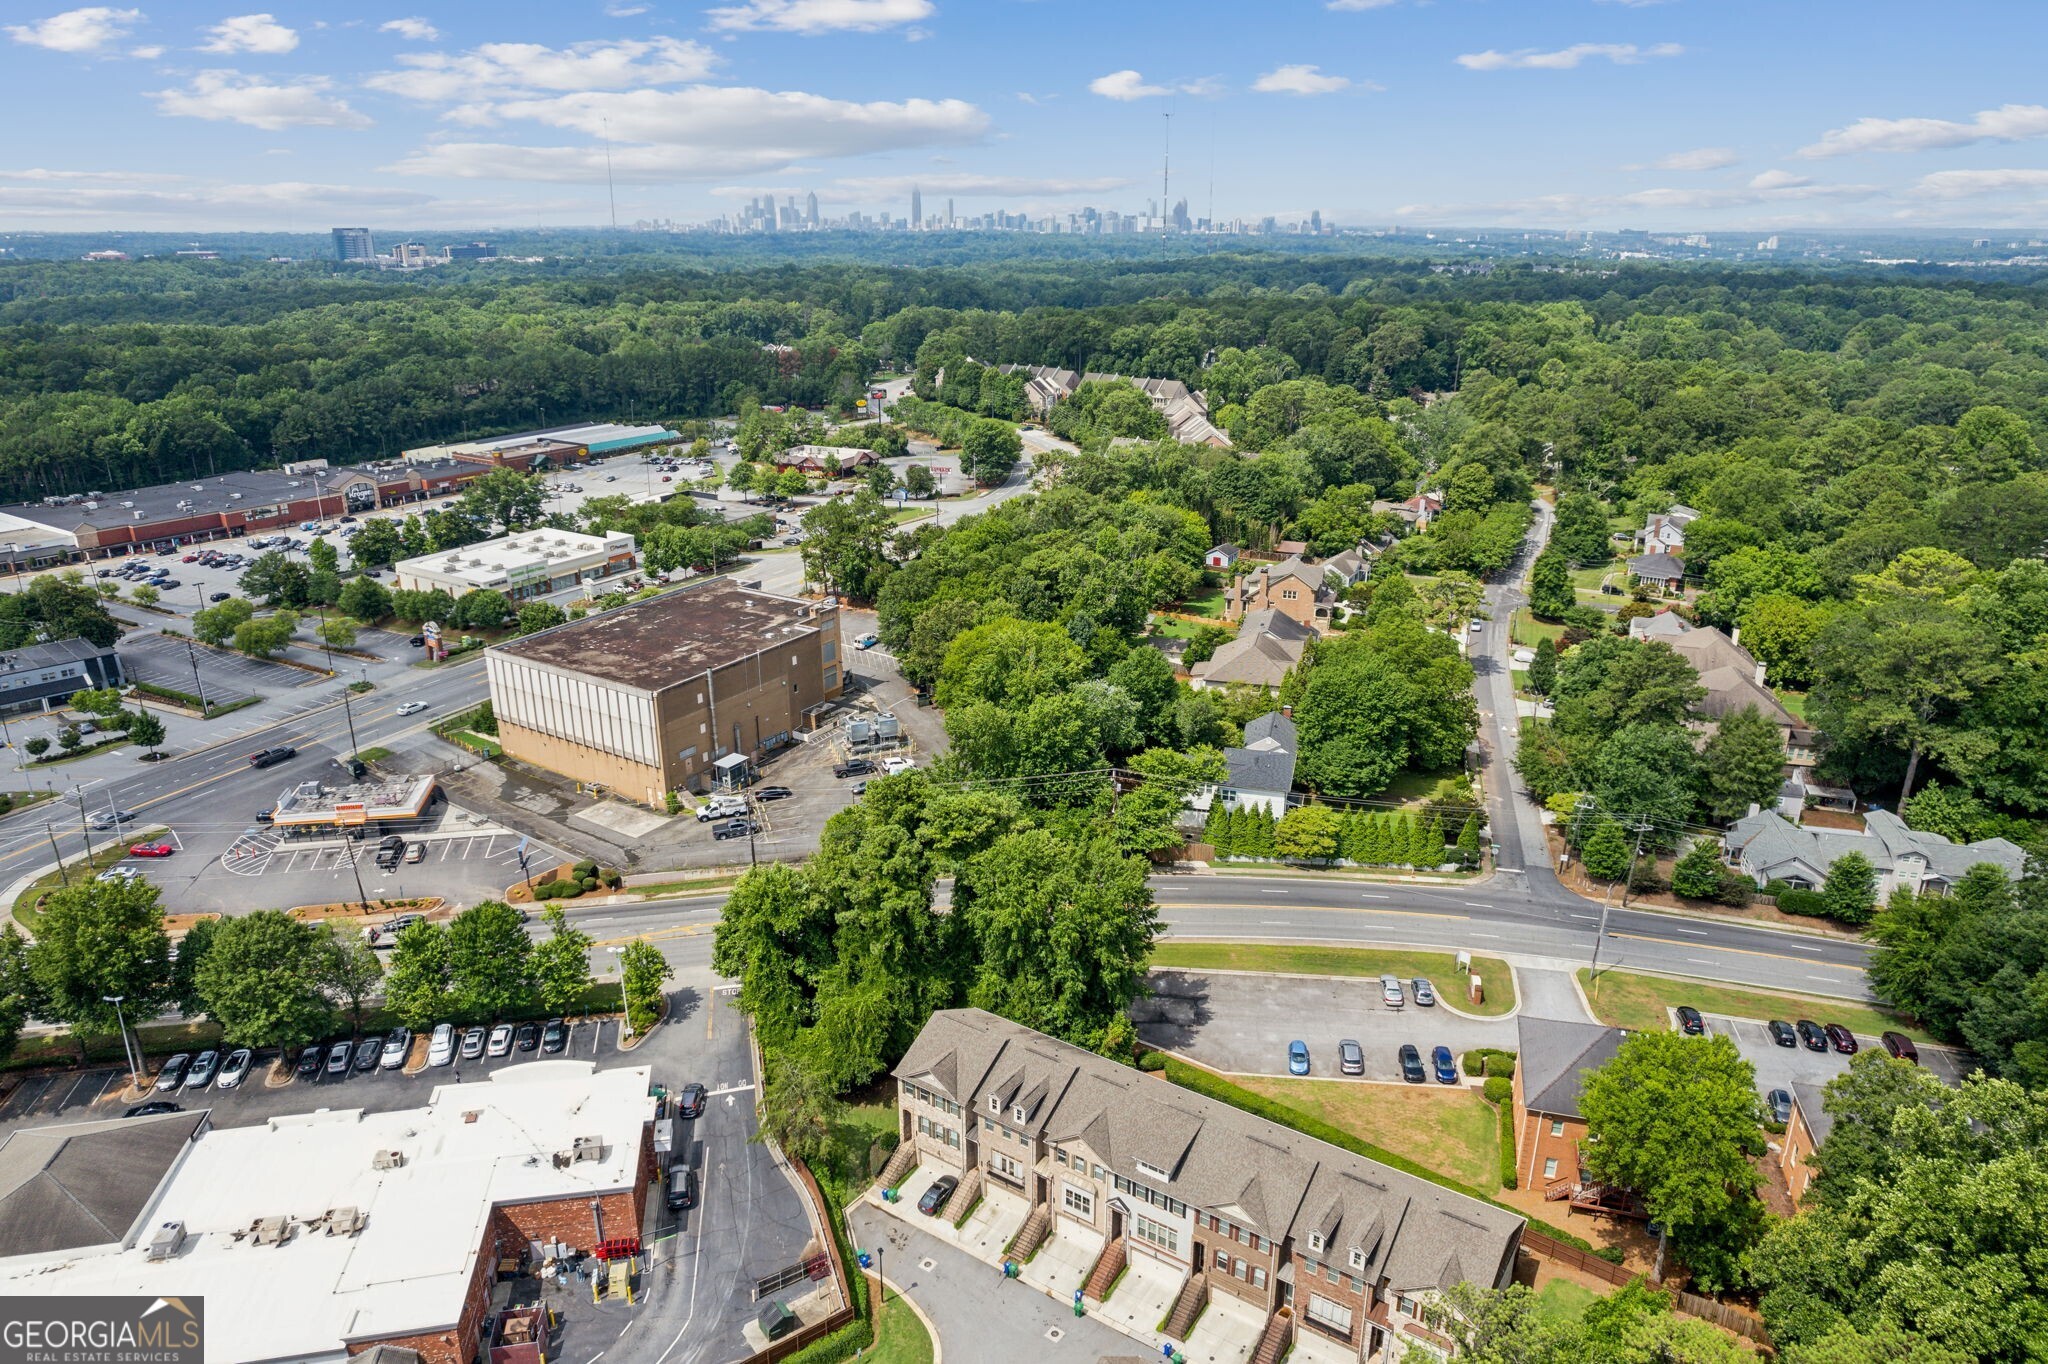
(354, 244)
(811, 208)
(949, 213)
(916, 208)
(1315, 221)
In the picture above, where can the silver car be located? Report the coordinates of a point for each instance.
(1390, 992)
(441, 1046)
(396, 1047)
(203, 1067)
(472, 1044)
(501, 1041)
(1425, 993)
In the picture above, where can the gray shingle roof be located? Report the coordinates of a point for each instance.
(1266, 762)
(1268, 644)
(1554, 1057)
(1769, 846)
(85, 1184)
(1662, 567)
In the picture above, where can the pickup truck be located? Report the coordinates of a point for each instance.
(271, 757)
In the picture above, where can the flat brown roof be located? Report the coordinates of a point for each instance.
(661, 641)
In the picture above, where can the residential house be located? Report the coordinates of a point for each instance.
(1802, 1136)
(1660, 571)
(1416, 511)
(1268, 644)
(1222, 558)
(1551, 1064)
(1091, 1161)
(1767, 848)
(1260, 775)
(1294, 587)
(1734, 680)
(1664, 532)
(1185, 410)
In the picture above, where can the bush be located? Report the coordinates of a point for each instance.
(1152, 1061)
(1499, 1089)
(1807, 902)
(611, 878)
(1776, 888)
(589, 883)
(1614, 1255)
(1500, 1065)
(583, 871)
(1509, 1166)
(1735, 889)
(1474, 1062)
(1643, 878)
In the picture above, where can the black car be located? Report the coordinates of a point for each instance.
(390, 852)
(1780, 1101)
(528, 1036)
(418, 641)
(368, 1052)
(859, 767)
(1841, 1039)
(1689, 1021)
(1411, 1064)
(270, 757)
(682, 1188)
(554, 1037)
(690, 1103)
(309, 1062)
(265, 816)
(1782, 1034)
(173, 1073)
(152, 1108)
(933, 1202)
(773, 793)
(1812, 1035)
(220, 596)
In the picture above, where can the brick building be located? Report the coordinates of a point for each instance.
(1319, 1248)
(1550, 1067)
(645, 699)
(323, 1235)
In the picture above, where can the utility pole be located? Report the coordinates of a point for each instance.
(83, 826)
(192, 656)
(1641, 826)
(349, 711)
(62, 874)
(349, 847)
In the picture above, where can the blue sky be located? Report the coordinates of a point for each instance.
(1700, 114)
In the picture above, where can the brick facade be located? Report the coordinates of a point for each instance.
(1541, 1138)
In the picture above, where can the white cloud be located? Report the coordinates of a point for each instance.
(36, 174)
(1299, 79)
(251, 33)
(2007, 123)
(415, 29)
(77, 30)
(1126, 85)
(1564, 59)
(496, 70)
(1698, 159)
(1771, 190)
(697, 133)
(1779, 179)
(148, 53)
(624, 11)
(229, 96)
(820, 16)
(1969, 184)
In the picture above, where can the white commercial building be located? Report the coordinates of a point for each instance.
(532, 563)
(317, 1232)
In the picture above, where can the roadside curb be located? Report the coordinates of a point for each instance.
(1693, 916)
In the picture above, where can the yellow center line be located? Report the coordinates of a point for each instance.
(653, 935)
(1742, 951)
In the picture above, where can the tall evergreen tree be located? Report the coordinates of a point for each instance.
(1468, 841)
(1542, 679)
(1435, 840)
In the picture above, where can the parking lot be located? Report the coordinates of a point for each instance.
(167, 662)
(1782, 1067)
(1243, 1023)
(463, 862)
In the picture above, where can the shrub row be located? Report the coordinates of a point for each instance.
(1489, 1061)
(1508, 1164)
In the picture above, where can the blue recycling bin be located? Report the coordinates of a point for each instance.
(867, 1261)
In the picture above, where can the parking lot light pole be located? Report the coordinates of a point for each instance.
(192, 656)
(121, 1019)
(349, 711)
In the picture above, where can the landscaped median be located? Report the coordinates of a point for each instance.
(1440, 968)
(1623, 999)
(28, 906)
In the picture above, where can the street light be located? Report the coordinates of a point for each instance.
(134, 1070)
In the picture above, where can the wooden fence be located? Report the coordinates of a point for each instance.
(1728, 1318)
(1722, 1315)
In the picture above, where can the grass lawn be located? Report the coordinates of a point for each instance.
(897, 518)
(1526, 630)
(1451, 1131)
(1589, 579)
(703, 885)
(1207, 604)
(1182, 629)
(1304, 960)
(1631, 1001)
(157, 1039)
(1793, 701)
(1564, 1300)
(900, 1338)
(1415, 786)
(22, 800)
(28, 905)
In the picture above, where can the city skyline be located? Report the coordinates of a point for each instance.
(1369, 113)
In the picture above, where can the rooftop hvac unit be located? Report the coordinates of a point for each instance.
(859, 731)
(169, 1239)
(127, 504)
(198, 487)
(387, 1160)
(91, 505)
(587, 1148)
(564, 1159)
(345, 1221)
(234, 497)
(271, 1231)
(887, 726)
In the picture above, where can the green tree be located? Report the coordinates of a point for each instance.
(507, 498)
(1648, 773)
(98, 939)
(1542, 679)
(349, 972)
(37, 746)
(417, 983)
(68, 738)
(1380, 701)
(378, 544)
(845, 545)
(338, 633)
(880, 480)
(261, 980)
(1678, 1120)
(1697, 875)
(21, 994)
(1782, 631)
(1468, 841)
(774, 937)
(276, 579)
(482, 609)
(488, 953)
(799, 1109)
(364, 599)
(1607, 852)
(1009, 663)
(266, 637)
(1850, 892)
(540, 615)
(642, 970)
(1743, 764)
(145, 729)
(1148, 819)
(560, 963)
(217, 624)
(1307, 833)
(918, 481)
(1550, 585)
(1580, 530)
(322, 556)
(145, 594)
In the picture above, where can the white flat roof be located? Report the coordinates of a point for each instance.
(408, 1269)
(527, 554)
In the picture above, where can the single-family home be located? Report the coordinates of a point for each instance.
(1659, 570)
(1768, 848)
(1551, 1064)
(1260, 775)
(1223, 557)
(1809, 1127)
(1734, 679)
(1416, 511)
(1296, 586)
(1664, 532)
(1268, 644)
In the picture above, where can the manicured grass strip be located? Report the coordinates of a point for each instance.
(1448, 1130)
(1526, 630)
(1441, 968)
(900, 1338)
(1624, 1000)
(110, 846)
(1203, 1082)
(1564, 1299)
(703, 885)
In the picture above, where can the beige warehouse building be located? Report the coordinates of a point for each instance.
(532, 563)
(647, 698)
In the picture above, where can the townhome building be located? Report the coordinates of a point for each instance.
(1324, 1249)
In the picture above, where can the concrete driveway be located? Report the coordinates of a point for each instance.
(1243, 1022)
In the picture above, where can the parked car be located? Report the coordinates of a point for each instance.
(856, 767)
(337, 1058)
(173, 1073)
(868, 641)
(892, 766)
(1780, 1101)
(125, 871)
(418, 641)
(734, 828)
(500, 1043)
(1689, 1021)
(152, 1108)
(1350, 1057)
(554, 1037)
(204, 1066)
(473, 1044)
(156, 849)
(309, 1061)
(1424, 992)
(1411, 1064)
(1390, 992)
(721, 807)
(390, 851)
(235, 1069)
(441, 1045)
(528, 1036)
(773, 793)
(1901, 1047)
(417, 852)
(396, 1048)
(1841, 1039)
(1297, 1057)
(369, 1051)
(385, 934)
(220, 596)
(690, 1103)
(107, 819)
(682, 1188)
(412, 708)
(934, 1199)
(1781, 1033)
(266, 816)
(1812, 1035)
(1444, 1064)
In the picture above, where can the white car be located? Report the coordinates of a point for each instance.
(501, 1041)
(412, 708)
(234, 1069)
(441, 1046)
(891, 766)
(126, 871)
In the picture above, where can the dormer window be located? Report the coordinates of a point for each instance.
(995, 1103)
(1357, 1258)
(1019, 1113)
(1152, 1171)
(1315, 1242)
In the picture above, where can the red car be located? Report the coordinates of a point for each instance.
(157, 849)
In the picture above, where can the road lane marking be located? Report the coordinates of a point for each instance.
(1831, 980)
(1477, 904)
(1589, 918)
(1740, 951)
(1494, 936)
(1330, 909)
(1695, 932)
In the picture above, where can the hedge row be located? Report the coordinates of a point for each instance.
(1508, 1164)
(1216, 1087)
(1490, 1062)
